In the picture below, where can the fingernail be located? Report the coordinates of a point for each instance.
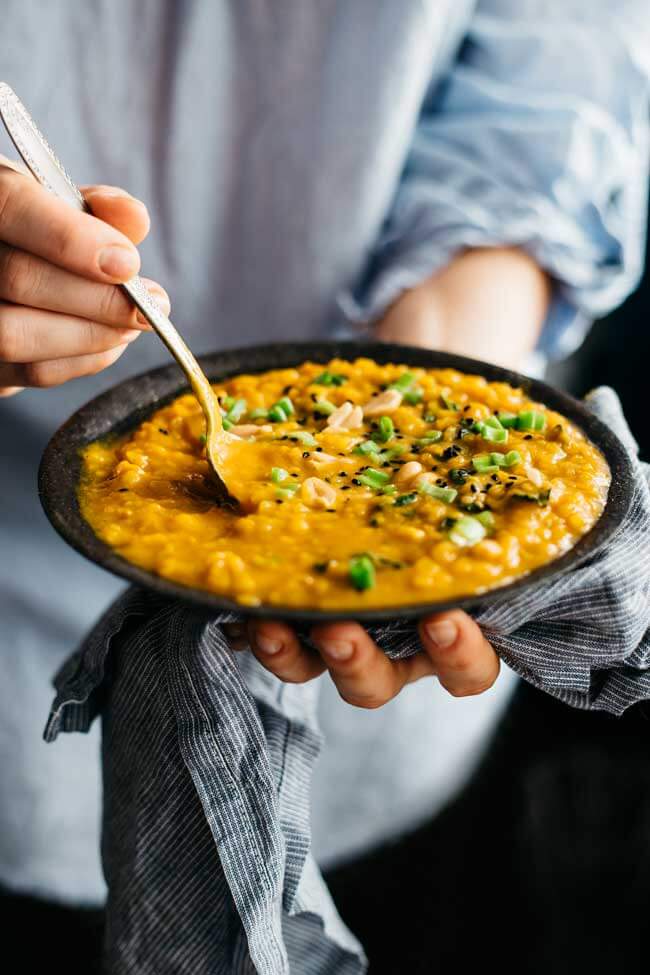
(338, 649)
(267, 645)
(118, 262)
(443, 633)
(132, 335)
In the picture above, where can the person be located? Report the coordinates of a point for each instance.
(465, 176)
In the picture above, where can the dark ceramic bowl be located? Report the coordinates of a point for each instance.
(126, 405)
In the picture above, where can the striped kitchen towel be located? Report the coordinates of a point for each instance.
(207, 758)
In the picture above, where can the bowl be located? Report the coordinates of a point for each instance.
(126, 405)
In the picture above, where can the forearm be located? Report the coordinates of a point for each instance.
(488, 303)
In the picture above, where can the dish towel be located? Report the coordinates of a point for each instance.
(207, 758)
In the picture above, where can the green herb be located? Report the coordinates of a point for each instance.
(324, 408)
(507, 419)
(390, 454)
(366, 447)
(538, 497)
(403, 382)
(259, 414)
(467, 531)
(362, 572)
(330, 379)
(236, 410)
(432, 437)
(414, 395)
(389, 489)
(302, 436)
(278, 474)
(277, 414)
(439, 493)
(284, 493)
(373, 478)
(506, 460)
(448, 403)
(483, 464)
(459, 474)
(487, 520)
(226, 423)
(405, 499)
(531, 420)
(228, 402)
(385, 429)
(203, 439)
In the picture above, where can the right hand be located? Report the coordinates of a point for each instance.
(61, 315)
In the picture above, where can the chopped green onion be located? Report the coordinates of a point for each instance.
(330, 379)
(413, 396)
(303, 437)
(390, 454)
(362, 572)
(228, 402)
(373, 478)
(493, 432)
(259, 414)
(385, 429)
(405, 499)
(236, 410)
(284, 493)
(432, 437)
(531, 420)
(459, 474)
(286, 405)
(492, 421)
(277, 414)
(439, 493)
(403, 382)
(366, 447)
(279, 474)
(487, 520)
(541, 497)
(203, 439)
(323, 407)
(467, 531)
(483, 464)
(448, 403)
(389, 489)
(226, 423)
(507, 419)
(506, 460)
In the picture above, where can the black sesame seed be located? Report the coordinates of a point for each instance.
(162, 430)
(345, 487)
(293, 475)
(279, 501)
(528, 436)
(121, 490)
(343, 474)
(305, 453)
(495, 478)
(319, 450)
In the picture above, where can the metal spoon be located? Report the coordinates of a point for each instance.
(46, 168)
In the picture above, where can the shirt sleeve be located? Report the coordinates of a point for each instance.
(537, 138)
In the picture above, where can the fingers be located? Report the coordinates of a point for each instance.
(463, 659)
(33, 281)
(363, 674)
(120, 209)
(279, 650)
(54, 372)
(30, 335)
(34, 220)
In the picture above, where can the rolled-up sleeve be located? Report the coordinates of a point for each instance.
(538, 138)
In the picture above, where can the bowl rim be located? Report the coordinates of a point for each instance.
(125, 405)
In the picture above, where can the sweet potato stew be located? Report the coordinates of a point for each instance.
(361, 486)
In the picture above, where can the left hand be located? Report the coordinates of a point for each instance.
(489, 304)
(453, 649)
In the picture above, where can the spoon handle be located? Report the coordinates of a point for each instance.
(44, 165)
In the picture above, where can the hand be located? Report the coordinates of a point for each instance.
(453, 649)
(61, 315)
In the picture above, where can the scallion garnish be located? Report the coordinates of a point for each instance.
(278, 474)
(258, 414)
(507, 419)
(432, 437)
(413, 396)
(302, 436)
(286, 492)
(531, 420)
(277, 414)
(506, 460)
(439, 493)
(236, 410)
(366, 447)
(448, 403)
(361, 572)
(373, 478)
(328, 378)
(405, 499)
(467, 531)
(491, 430)
(385, 429)
(323, 407)
(483, 464)
(403, 382)
(487, 520)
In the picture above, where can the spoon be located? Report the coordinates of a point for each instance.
(46, 168)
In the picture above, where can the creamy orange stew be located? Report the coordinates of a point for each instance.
(361, 485)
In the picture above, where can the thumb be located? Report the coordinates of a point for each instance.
(118, 208)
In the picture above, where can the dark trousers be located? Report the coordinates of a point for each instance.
(542, 864)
